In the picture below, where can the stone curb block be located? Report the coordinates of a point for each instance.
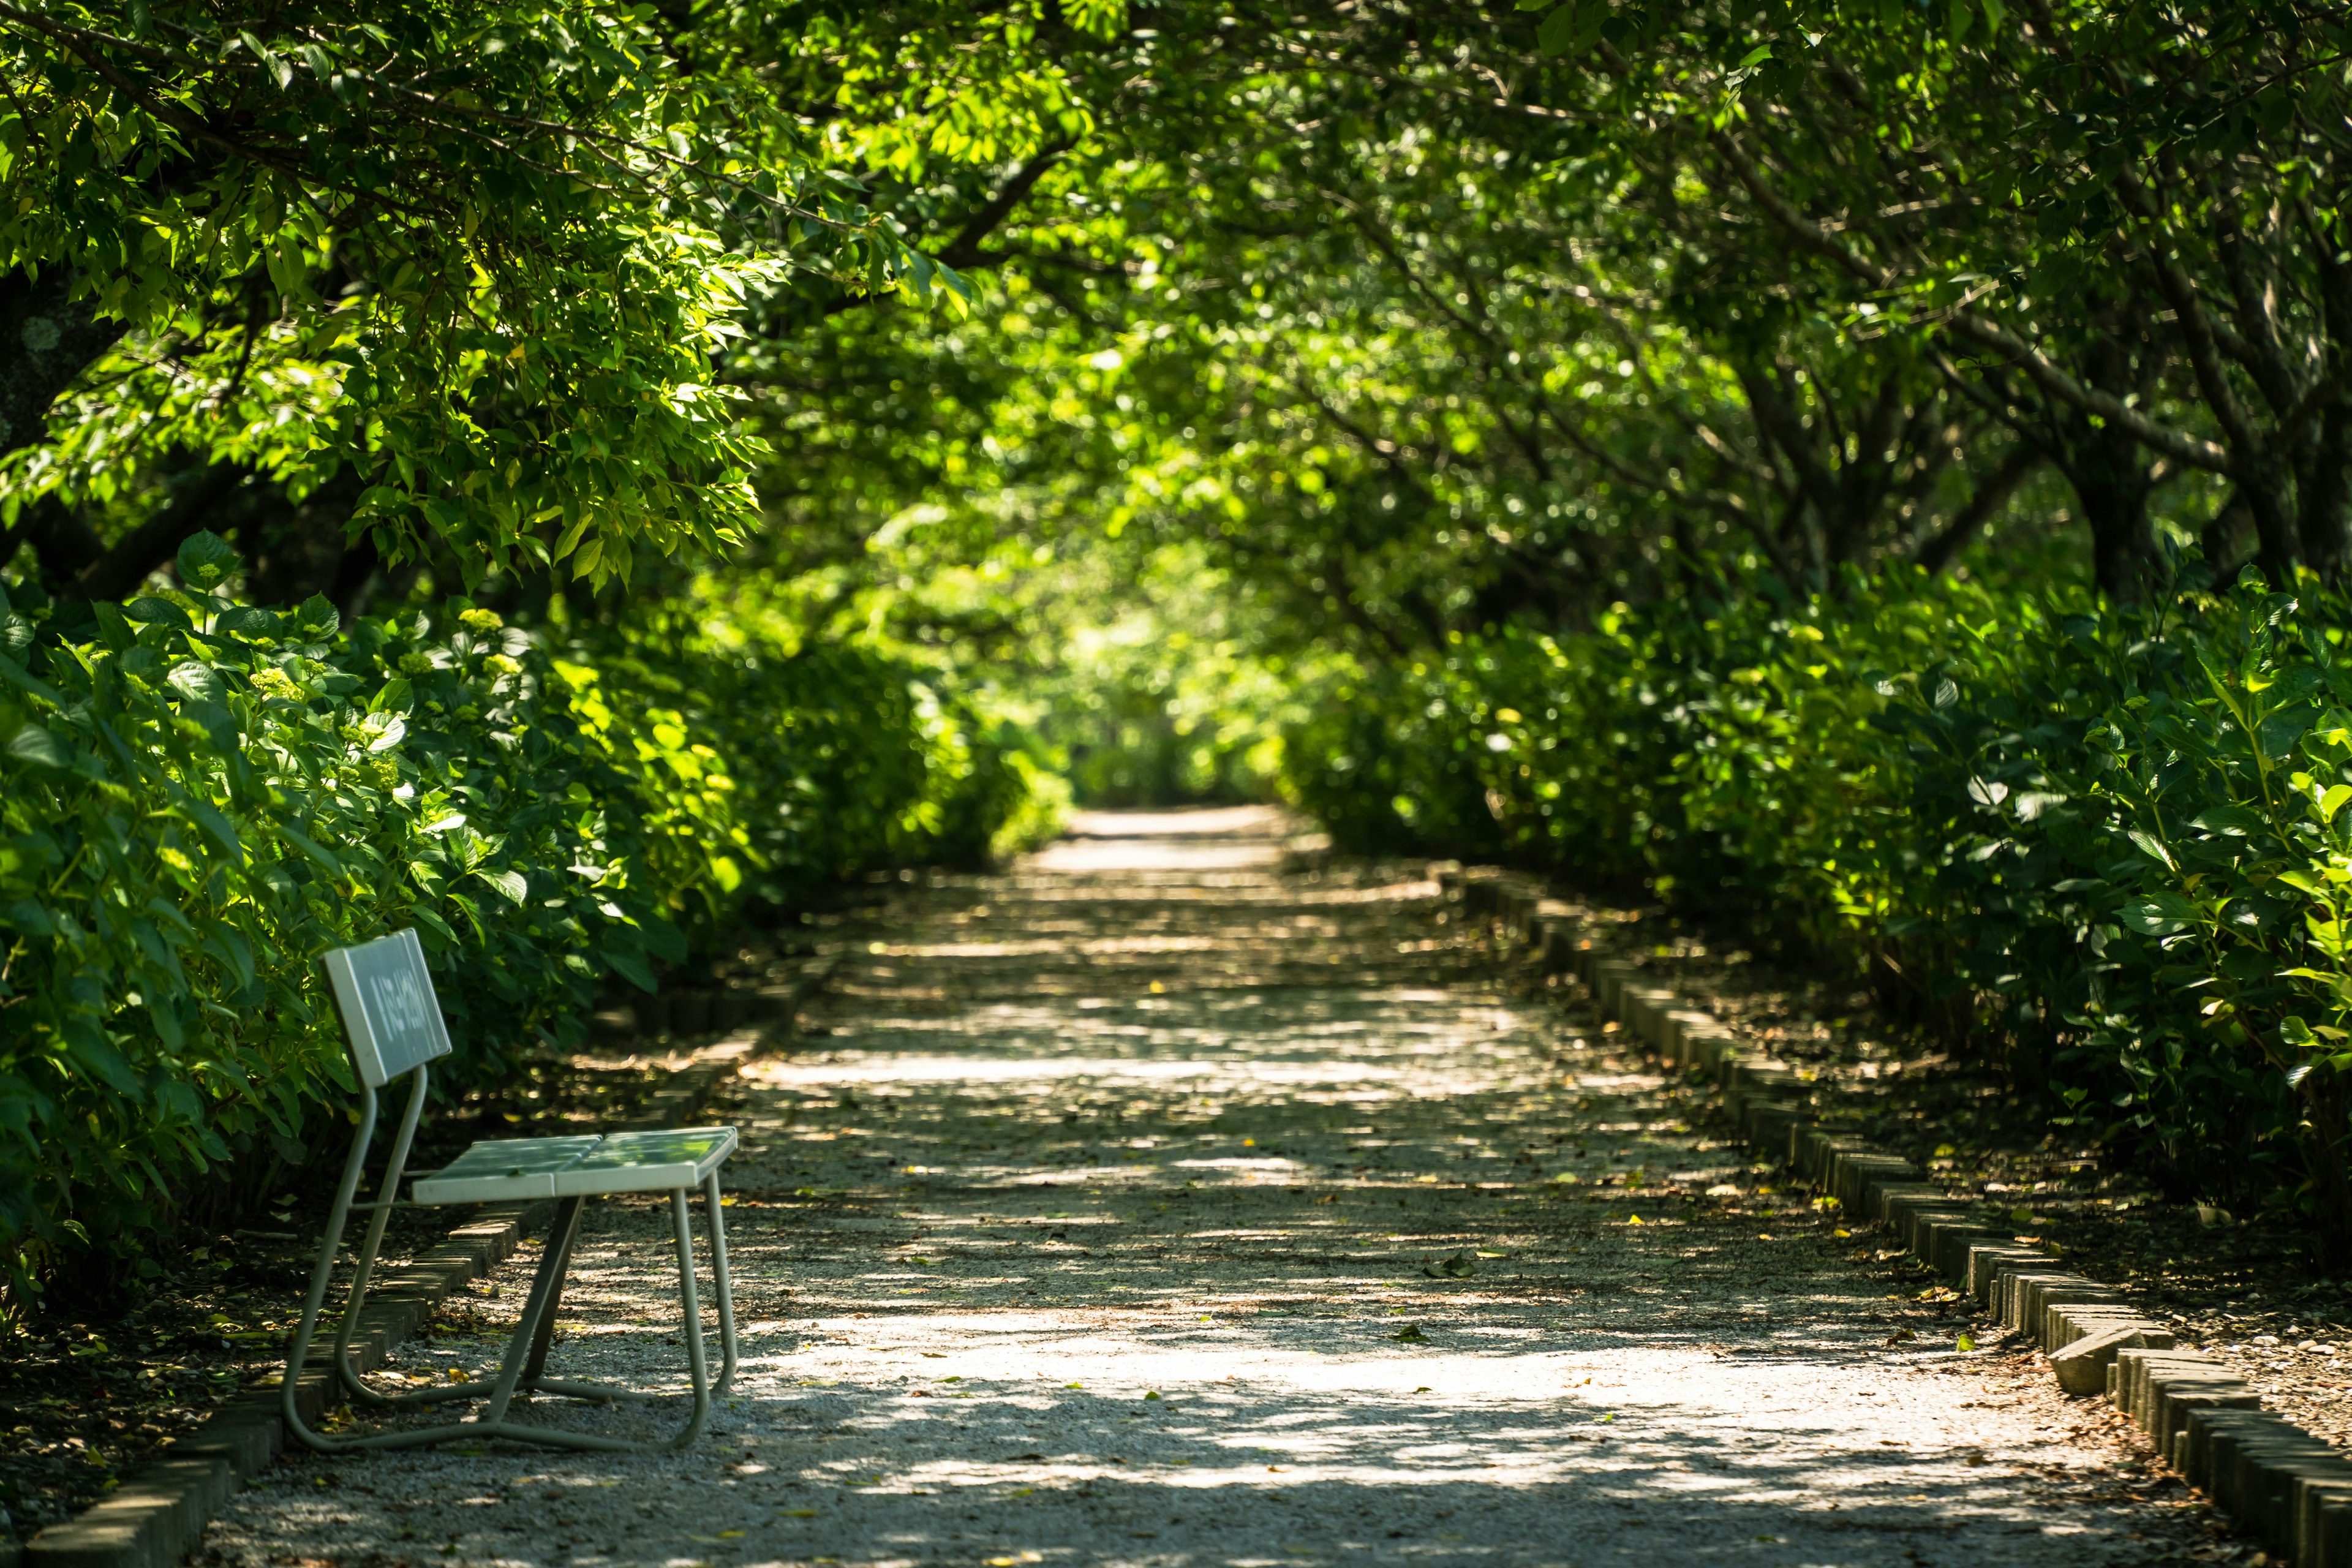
(2293, 1489)
(152, 1520)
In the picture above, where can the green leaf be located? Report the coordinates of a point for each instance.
(206, 561)
(1568, 29)
(2232, 821)
(630, 966)
(28, 917)
(154, 611)
(393, 696)
(2331, 801)
(2165, 914)
(310, 846)
(513, 884)
(318, 617)
(665, 941)
(106, 1062)
(245, 621)
(198, 681)
(16, 675)
(37, 747)
(113, 629)
(216, 826)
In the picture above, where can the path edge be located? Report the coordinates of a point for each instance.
(159, 1515)
(2284, 1485)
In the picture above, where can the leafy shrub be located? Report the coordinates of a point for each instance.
(2104, 846)
(199, 797)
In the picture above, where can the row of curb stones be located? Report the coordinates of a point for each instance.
(158, 1515)
(2277, 1481)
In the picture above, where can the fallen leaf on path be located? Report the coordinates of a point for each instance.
(1410, 1334)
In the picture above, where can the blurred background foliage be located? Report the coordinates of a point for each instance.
(1876, 473)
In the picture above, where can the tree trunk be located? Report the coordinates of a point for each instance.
(2111, 484)
(46, 339)
(197, 503)
(2325, 520)
(2277, 550)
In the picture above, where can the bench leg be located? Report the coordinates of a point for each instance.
(568, 1224)
(526, 1353)
(530, 1342)
(690, 1303)
(716, 1213)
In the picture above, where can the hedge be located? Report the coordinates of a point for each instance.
(2102, 845)
(198, 797)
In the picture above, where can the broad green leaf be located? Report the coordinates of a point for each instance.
(156, 611)
(664, 940)
(630, 966)
(216, 826)
(2165, 914)
(206, 561)
(25, 915)
(246, 621)
(510, 883)
(196, 680)
(310, 847)
(35, 746)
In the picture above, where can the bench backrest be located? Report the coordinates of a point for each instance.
(390, 1014)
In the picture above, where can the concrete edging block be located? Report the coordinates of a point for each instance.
(2274, 1478)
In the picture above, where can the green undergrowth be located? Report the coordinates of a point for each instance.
(198, 797)
(2100, 847)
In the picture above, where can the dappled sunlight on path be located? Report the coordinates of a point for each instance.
(1148, 1205)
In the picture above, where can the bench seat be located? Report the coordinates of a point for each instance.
(505, 1168)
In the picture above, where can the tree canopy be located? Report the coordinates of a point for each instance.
(1367, 400)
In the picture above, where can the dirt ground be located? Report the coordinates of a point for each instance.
(1153, 1204)
(2248, 1288)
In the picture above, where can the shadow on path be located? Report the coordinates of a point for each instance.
(1148, 1205)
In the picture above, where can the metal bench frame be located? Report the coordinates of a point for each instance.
(392, 1023)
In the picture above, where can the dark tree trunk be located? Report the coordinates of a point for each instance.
(2111, 483)
(46, 339)
(196, 502)
(2224, 540)
(2277, 548)
(298, 550)
(63, 544)
(2326, 518)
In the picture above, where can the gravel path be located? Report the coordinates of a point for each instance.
(1149, 1205)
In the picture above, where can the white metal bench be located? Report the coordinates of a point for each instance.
(393, 1022)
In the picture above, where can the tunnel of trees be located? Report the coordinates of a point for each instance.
(1873, 473)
